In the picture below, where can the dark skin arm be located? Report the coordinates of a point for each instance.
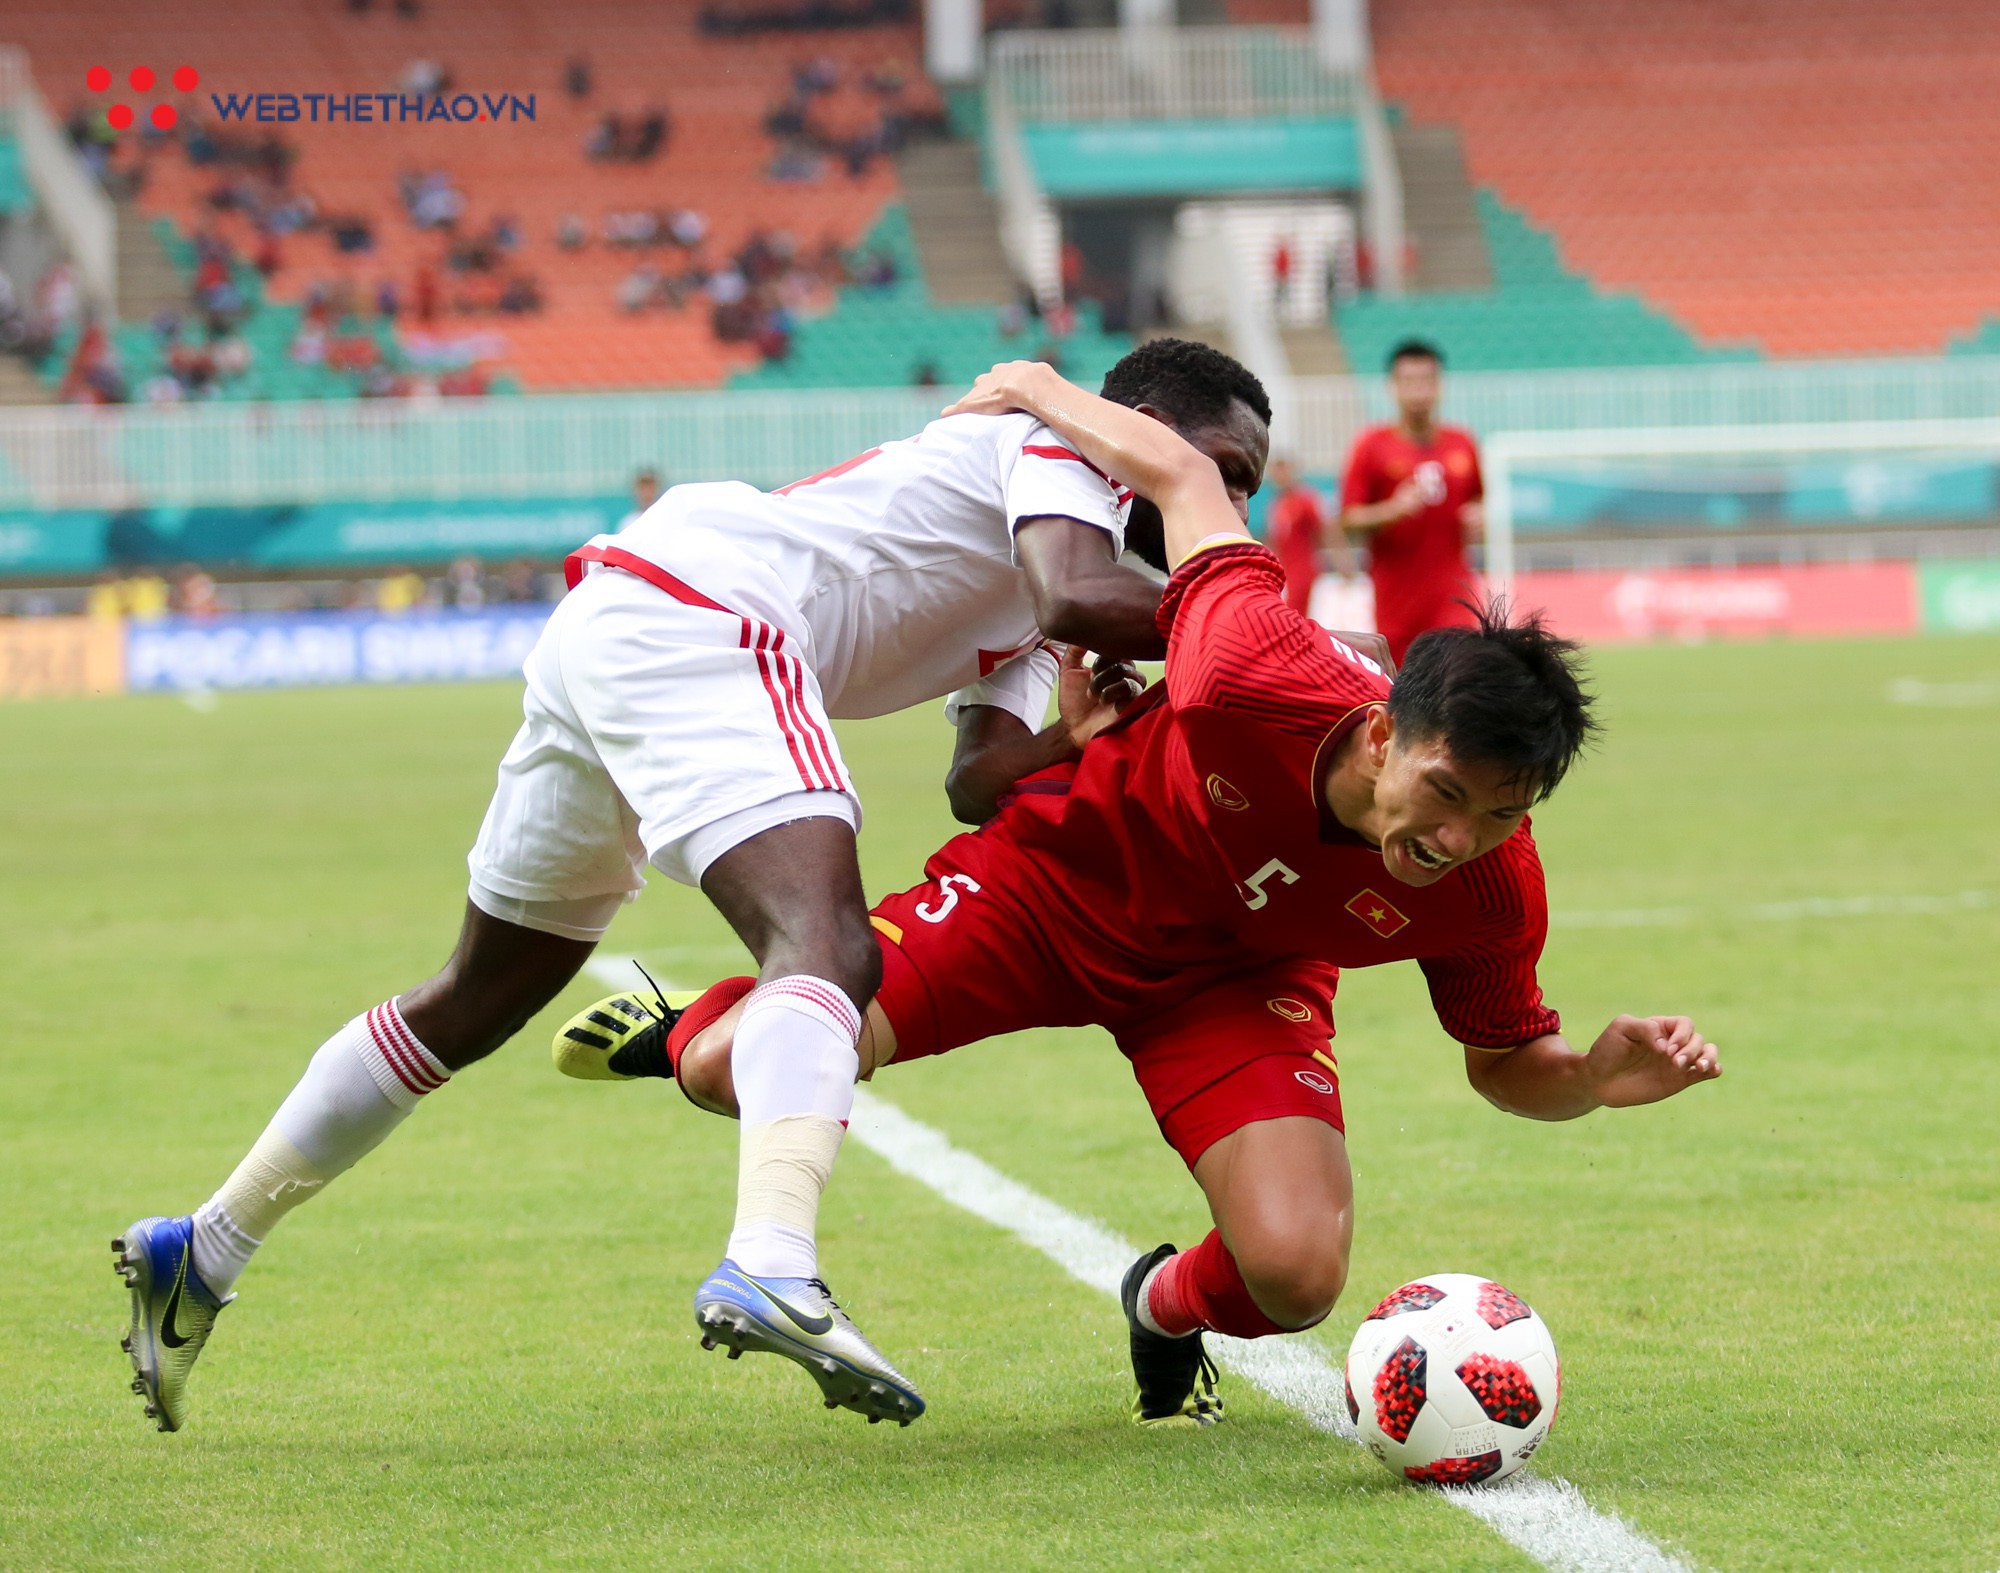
(995, 748)
(1083, 595)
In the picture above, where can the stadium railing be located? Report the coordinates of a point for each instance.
(577, 445)
(76, 206)
(1191, 74)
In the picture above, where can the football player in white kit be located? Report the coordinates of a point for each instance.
(677, 715)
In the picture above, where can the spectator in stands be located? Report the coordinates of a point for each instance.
(465, 585)
(576, 77)
(571, 234)
(1413, 489)
(194, 593)
(646, 491)
(687, 228)
(650, 138)
(400, 591)
(639, 288)
(388, 300)
(423, 77)
(925, 374)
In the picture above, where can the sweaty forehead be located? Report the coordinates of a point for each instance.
(1488, 784)
(1240, 435)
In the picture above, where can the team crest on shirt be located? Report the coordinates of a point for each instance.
(1223, 795)
(1290, 1009)
(1377, 912)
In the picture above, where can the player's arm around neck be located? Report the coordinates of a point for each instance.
(1149, 456)
(1635, 1060)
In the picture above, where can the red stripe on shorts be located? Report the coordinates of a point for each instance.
(762, 640)
(793, 670)
(756, 645)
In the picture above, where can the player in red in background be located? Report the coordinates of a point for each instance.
(1197, 878)
(1297, 533)
(1414, 492)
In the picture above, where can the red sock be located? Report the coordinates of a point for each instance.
(701, 1013)
(1202, 1288)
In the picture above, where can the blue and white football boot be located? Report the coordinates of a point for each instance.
(799, 1319)
(172, 1312)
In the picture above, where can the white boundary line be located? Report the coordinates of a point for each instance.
(1545, 1517)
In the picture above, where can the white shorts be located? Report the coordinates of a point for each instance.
(657, 730)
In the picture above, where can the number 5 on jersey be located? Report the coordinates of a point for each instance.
(948, 897)
(1252, 889)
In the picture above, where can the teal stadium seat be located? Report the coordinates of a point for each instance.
(16, 196)
(877, 338)
(1539, 315)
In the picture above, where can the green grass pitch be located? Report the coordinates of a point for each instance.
(1775, 1298)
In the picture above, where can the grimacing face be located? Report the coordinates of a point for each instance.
(1414, 381)
(1240, 444)
(1433, 811)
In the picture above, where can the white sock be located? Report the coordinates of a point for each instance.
(794, 1064)
(358, 1088)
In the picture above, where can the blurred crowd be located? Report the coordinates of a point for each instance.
(147, 595)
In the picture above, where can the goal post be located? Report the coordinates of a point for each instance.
(1885, 472)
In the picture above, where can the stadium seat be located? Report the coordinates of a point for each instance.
(1813, 176)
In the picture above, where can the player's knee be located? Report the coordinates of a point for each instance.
(1295, 1276)
(704, 1072)
(844, 952)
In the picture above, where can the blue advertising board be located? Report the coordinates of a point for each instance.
(293, 649)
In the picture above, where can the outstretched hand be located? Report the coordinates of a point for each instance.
(1009, 386)
(1643, 1059)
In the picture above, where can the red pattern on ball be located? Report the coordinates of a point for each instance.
(1456, 1471)
(1498, 1307)
(1503, 1389)
(1411, 1297)
(1399, 1389)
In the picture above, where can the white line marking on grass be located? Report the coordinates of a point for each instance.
(1947, 696)
(1546, 1518)
(1776, 911)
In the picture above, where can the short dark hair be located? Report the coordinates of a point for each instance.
(1193, 383)
(1504, 692)
(1413, 349)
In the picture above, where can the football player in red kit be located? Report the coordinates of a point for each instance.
(1413, 491)
(1195, 880)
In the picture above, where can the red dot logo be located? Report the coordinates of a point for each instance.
(120, 116)
(164, 116)
(97, 78)
(141, 79)
(187, 79)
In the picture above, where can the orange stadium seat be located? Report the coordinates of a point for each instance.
(642, 53)
(1817, 176)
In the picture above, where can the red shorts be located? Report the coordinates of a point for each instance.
(975, 952)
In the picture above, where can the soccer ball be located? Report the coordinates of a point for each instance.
(1452, 1380)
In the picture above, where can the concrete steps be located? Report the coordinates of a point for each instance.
(1439, 211)
(20, 385)
(148, 282)
(956, 224)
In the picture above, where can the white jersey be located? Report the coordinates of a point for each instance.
(895, 572)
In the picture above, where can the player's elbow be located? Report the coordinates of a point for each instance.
(969, 794)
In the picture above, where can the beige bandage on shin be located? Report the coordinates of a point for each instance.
(271, 1180)
(782, 1167)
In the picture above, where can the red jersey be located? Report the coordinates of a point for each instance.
(1418, 563)
(1193, 841)
(1296, 525)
